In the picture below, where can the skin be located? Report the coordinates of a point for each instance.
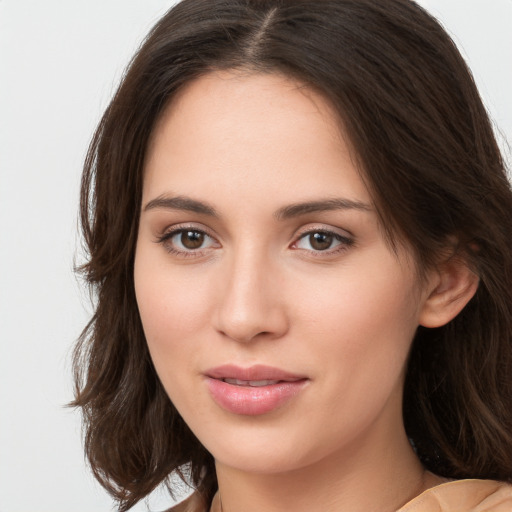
(256, 290)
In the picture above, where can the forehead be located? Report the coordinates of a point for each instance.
(213, 92)
(251, 134)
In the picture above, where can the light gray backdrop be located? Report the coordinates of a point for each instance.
(60, 61)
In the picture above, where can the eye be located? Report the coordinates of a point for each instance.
(323, 241)
(187, 241)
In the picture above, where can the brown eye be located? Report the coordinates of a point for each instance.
(192, 239)
(323, 241)
(187, 241)
(320, 241)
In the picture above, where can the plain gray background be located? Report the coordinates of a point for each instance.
(60, 61)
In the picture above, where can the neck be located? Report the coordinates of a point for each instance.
(377, 475)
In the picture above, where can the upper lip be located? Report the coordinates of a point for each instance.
(253, 373)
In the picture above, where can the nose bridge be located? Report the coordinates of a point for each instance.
(251, 304)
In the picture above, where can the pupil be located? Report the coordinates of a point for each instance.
(192, 239)
(320, 241)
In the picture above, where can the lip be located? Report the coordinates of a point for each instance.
(256, 372)
(259, 398)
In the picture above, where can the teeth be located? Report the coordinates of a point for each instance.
(251, 383)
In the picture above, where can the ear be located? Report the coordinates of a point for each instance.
(452, 287)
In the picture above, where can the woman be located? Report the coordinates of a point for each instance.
(298, 223)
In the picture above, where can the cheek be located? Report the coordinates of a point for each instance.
(172, 314)
(357, 301)
(173, 310)
(360, 331)
(363, 322)
(169, 301)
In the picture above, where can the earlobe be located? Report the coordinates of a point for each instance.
(454, 286)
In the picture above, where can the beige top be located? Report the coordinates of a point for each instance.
(457, 496)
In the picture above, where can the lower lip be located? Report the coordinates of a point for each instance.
(252, 401)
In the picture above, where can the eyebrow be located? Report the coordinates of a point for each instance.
(287, 212)
(298, 209)
(181, 203)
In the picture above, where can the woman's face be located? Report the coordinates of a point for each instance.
(278, 319)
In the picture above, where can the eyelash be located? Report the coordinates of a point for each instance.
(344, 242)
(166, 237)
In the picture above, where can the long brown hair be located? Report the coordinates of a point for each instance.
(427, 152)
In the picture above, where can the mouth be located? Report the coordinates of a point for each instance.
(252, 383)
(253, 391)
(256, 375)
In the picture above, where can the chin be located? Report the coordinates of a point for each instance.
(263, 462)
(258, 449)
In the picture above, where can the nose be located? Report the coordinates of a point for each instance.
(252, 304)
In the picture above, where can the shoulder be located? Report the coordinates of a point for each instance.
(464, 496)
(194, 503)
